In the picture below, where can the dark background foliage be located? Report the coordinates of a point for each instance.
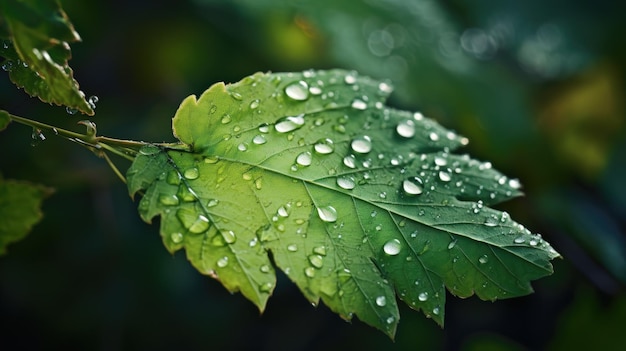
(537, 86)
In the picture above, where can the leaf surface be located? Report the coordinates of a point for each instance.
(20, 209)
(37, 55)
(356, 202)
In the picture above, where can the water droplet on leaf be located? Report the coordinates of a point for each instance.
(289, 123)
(327, 213)
(346, 182)
(191, 173)
(381, 301)
(304, 159)
(361, 144)
(392, 247)
(298, 91)
(406, 128)
(412, 186)
(324, 146)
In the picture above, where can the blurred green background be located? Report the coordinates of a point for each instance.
(537, 86)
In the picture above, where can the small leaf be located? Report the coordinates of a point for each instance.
(5, 119)
(356, 202)
(20, 204)
(37, 55)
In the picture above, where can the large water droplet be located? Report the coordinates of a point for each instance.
(229, 236)
(412, 186)
(222, 262)
(519, 240)
(483, 259)
(349, 161)
(194, 222)
(304, 159)
(381, 301)
(316, 261)
(433, 136)
(309, 272)
(359, 104)
(176, 238)
(169, 200)
(298, 91)
(292, 247)
(266, 287)
(406, 128)
(392, 247)
(422, 296)
(320, 250)
(491, 221)
(444, 176)
(191, 173)
(226, 119)
(327, 213)
(361, 144)
(324, 146)
(350, 78)
(254, 104)
(346, 182)
(259, 139)
(289, 123)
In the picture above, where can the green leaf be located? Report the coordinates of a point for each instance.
(356, 202)
(20, 204)
(37, 54)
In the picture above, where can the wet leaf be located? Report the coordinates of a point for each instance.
(357, 202)
(37, 54)
(4, 119)
(20, 204)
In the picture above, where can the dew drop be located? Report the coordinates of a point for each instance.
(349, 161)
(519, 240)
(406, 128)
(392, 247)
(266, 287)
(259, 140)
(320, 250)
(324, 146)
(381, 301)
(358, 104)
(191, 173)
(491, 221)
(236, 95)
(350, 78)
(222, 262)
(452, 244)
(289, 123)
(483, 259)
(315, 90)
(176, 238)
(242, 147)
(254, 104)
(412, 186)
(298, 91)
(444, 176)
(346, 182)
(385, 88)
(169, 200)
(436, 311)
(309, 272)
(304, 159)
(361, 144)
(327, 213)
(264, 268)
(316, 261)
(390, 320)
(422, 296)
(229, 236)
(433, 136)
(292, 247)
(226, 119)
(515, 183)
